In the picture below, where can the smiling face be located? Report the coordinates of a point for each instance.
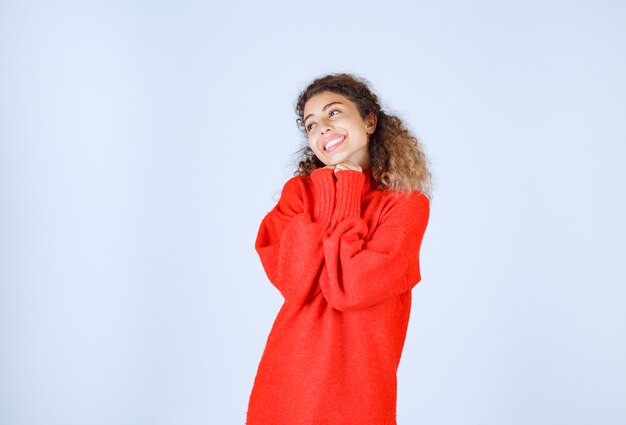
(335, 130)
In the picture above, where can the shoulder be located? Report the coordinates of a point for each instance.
(305, 184)
(404, 210)
(294, 195)
(295, 186)
(414, 200)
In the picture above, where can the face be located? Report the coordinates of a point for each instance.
(336, 132)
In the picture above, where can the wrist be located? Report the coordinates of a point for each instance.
(349, 190)
(324, 184)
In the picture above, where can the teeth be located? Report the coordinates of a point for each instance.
(333, 143)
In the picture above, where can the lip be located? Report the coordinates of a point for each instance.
(331, 138)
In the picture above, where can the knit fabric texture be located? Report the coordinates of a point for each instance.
(345, 256)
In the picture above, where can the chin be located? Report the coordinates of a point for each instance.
(337, 160)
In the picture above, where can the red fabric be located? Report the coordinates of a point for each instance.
(345, 256)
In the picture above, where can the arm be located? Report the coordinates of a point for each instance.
(361, 274)
(289, 241)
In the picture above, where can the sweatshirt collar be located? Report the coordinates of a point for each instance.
(370, 182)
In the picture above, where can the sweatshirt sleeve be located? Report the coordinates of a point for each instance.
(289, 240)
(360, 274)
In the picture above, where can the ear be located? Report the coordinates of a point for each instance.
(371, 120)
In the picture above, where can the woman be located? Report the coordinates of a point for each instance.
(342, 247)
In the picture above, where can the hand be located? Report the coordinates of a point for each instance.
(347, 166)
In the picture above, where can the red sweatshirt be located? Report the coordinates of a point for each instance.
(345, 256)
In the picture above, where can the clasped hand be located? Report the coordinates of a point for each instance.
(346, 165)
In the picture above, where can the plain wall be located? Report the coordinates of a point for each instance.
(141, 144)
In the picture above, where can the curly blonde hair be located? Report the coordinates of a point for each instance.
(396, 156)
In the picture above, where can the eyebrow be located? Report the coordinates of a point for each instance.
(323, 109)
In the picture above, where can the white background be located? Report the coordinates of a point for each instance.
(142, 142)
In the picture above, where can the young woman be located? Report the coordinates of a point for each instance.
(342, 246)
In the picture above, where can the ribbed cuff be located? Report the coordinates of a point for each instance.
(349, 189)
(324, 183)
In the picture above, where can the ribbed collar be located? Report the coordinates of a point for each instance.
(370, 182)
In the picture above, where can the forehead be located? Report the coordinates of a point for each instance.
(317, 102)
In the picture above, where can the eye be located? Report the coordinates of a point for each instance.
(308, 127)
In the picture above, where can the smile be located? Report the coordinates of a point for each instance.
(331, 146)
